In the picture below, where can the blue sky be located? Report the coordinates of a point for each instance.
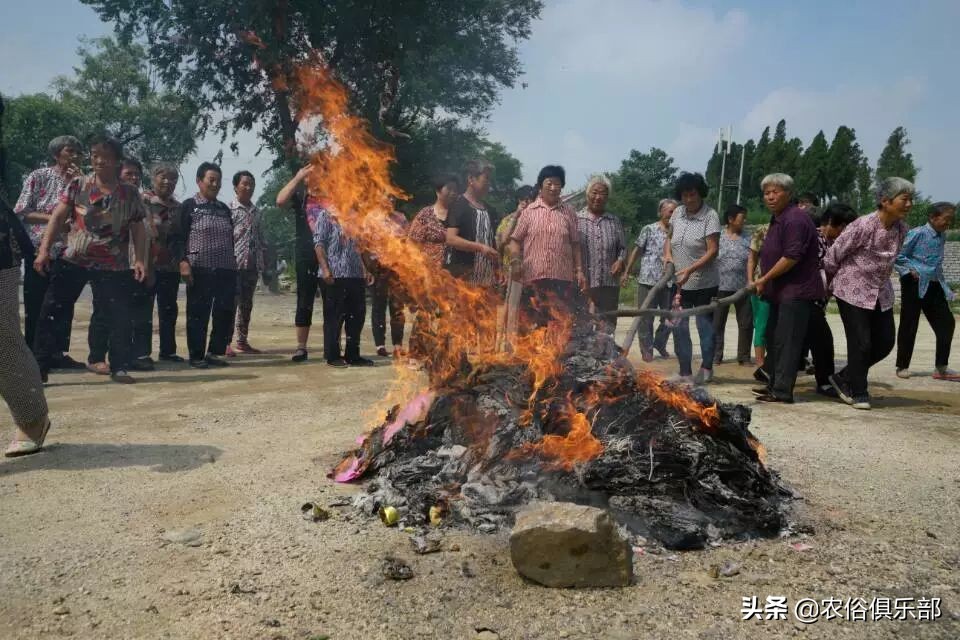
(605, 76)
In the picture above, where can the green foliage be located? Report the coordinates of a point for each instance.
(30, 122)
(842, 163)
(894, 161)
(278, 224)
(813, 175)
(759, 165)
(864, 199)
(238, 56)
(641, 182)
(112, 90)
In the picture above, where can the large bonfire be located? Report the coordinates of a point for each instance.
(561, 415)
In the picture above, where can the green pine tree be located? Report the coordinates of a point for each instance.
(894, 160)
(842, 162)
(812, 174)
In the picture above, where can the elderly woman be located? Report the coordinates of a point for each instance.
(603, 244)
(429, 231)
(791, 283)
(860, 263)
(40, 194)
(923, 287)
(692, 247)
(649, 248)
(732, 264)
(524, 196)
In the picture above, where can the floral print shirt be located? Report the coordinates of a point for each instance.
(430, 233)
(41, 192)
(248, 241)
(861, 259)
(650, 243)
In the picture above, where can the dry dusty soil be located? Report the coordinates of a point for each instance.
(86, 527)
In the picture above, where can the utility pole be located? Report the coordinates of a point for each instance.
(740, 179)
(724, 150)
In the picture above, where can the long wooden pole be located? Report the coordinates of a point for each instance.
(668, 271)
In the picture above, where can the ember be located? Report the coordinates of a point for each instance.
(667, 464)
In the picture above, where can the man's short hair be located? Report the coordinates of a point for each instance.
(690, 182)
(239, 176)
(58, 144)
(207, 166)
(552, 171)
(107, 142)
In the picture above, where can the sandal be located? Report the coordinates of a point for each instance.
(99, 368)
(26, 447)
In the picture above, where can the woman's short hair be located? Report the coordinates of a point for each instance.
(690, 182)
(810, 197)
(165, 168)
(838, 214)
(58, 144)
(732, 212)
(599, 179)
(441, 180)
(238, 176)
(207, 166)
(937, 209)
(130, 161)
(552, 171)
(664, 202)
(107, 142)
(476, 168)
(525, 192)
(890, 188)
(781, 180)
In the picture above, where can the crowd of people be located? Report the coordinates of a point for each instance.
(134, 248)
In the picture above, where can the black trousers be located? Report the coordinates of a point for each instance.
(786, 331)
(111, 293)
(164, 292)
(744, 314)
(344, 305)
(935, 308)
(604, 299)
(383, 293)
(820, 341)
(213, 293)
(306, 267)
(870, 338)
(98, 333)
(34, 290)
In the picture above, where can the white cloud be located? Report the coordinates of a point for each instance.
(637, 42)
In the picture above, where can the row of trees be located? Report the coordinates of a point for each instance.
(838, 169)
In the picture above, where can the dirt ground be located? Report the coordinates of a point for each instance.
(86, 527)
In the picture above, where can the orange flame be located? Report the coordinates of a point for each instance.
(578, 446)
(707, 416)
(352, 172)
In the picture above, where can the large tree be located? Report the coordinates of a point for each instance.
(642, 180)
(864, 200)
(843, 162)
(760, 166)
(405, 63)
(812, 174)
(114, 90)
(29, 123)
(894, 161)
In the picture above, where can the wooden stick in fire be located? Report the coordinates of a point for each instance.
(714, 305)
(668, 271)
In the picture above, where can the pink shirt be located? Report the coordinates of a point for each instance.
(860, 262)
(546, 236)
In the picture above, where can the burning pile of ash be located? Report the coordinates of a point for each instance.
(667, 463)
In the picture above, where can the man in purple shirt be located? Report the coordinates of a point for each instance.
(791, 282)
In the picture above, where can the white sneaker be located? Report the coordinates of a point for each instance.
(861, 402)
(703, 376)
(903, 373)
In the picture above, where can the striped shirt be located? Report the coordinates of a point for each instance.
(602, 242)
(207, 228)
(546, 236)
(688, 243)
(343, 257)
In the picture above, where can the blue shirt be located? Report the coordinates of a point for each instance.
(341, 251)
(923, 252)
